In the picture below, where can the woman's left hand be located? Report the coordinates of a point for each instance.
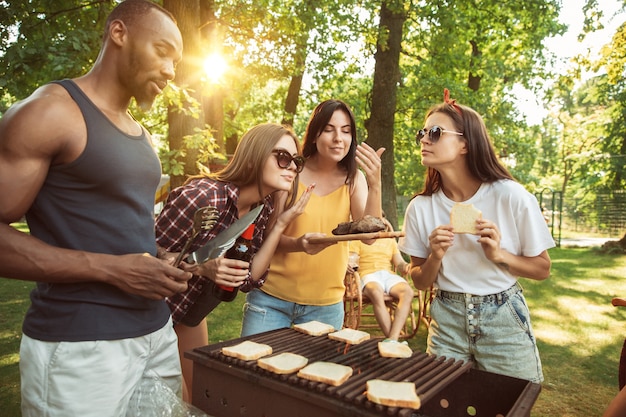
(489, 239)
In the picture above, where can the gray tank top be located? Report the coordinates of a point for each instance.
(102, 202)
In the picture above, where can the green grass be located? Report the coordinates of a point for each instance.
(579, 332)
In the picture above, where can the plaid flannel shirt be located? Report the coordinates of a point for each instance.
(174, 226)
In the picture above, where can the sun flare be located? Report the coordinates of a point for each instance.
(214, 67)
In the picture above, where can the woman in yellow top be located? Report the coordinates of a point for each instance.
(305, 280)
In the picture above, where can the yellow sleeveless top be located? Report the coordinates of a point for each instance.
(313, 279)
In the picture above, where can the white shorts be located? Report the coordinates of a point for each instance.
(95, 378)
(386, 279)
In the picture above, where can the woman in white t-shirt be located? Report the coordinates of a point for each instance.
(479, 313)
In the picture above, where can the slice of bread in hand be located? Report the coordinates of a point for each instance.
(247, 350)
(326, 372)
(314, 328)
(463, 218)
(394, 350)
(393, 394)
(351, 336)
(283, 363)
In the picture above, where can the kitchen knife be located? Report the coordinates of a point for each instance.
(217, 246)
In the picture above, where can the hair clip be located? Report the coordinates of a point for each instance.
(452, 102)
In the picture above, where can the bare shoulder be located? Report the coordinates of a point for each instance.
(48, 122)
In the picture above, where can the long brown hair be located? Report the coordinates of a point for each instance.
(248, 161)
(481, 156)
(318, 121)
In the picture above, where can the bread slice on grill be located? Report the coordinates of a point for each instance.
(326, 372)
(351, 336)
(393, 394)
(247, 350)
(463, 218)
(283, 363)
(314, 328)
(394, 350)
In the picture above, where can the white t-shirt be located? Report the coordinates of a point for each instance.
(465, 268)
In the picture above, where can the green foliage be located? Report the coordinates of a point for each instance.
(45, 40)
(479, 50)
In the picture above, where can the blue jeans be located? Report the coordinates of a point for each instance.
(494, 331)
(263, 312)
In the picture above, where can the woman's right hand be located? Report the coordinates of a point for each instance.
(313, 248)
(440, 240)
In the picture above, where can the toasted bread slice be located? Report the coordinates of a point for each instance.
(326, 372)
(247, 350)
(283, 363)
(314, 328)
(351, 336)
(463, 218)
(394, 350)
(393, 394)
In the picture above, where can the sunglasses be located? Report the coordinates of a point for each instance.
(434, 133)
(284, 160)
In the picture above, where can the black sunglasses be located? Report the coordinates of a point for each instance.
(284, 160)
(434, 133)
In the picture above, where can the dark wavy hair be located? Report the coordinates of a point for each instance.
(318, 121)
(481, 156)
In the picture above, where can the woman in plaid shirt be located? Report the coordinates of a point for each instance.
(263, 170)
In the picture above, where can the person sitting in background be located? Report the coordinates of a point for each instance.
(378, 278)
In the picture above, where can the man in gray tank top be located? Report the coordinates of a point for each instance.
(84, 173)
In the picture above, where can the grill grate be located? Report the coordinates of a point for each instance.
(229, 387)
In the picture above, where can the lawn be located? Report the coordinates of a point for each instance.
(580, 334)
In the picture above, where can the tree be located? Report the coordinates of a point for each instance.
(47, 40)
(380, 125)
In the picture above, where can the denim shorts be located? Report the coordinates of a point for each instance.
(493, 331)
(263, 312)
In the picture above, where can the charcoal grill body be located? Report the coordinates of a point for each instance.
(227, 387)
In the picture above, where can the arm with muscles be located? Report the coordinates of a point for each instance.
(534, 267)
(33, 136)
(424, 271)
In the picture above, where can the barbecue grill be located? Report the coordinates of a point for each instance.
(228, 387)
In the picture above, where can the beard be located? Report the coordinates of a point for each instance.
(140, 87)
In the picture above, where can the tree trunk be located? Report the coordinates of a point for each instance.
(291, 103)
(473, 81)
(293, 93)
(380, 125)
(187, 14)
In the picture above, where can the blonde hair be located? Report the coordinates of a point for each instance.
(248, 161)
